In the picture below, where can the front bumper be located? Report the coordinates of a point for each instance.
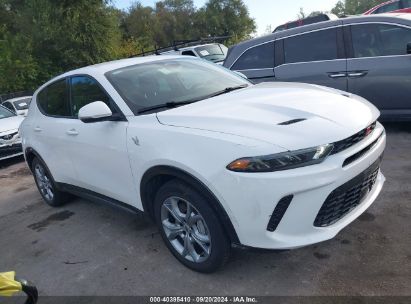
(10, 147)
(251, 199)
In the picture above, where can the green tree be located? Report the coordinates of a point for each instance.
(354, 7)
(226, 17)
(48, 37)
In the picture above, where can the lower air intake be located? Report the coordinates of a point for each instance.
(279, 212)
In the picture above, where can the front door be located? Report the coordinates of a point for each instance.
(380, 69)
(98, 150)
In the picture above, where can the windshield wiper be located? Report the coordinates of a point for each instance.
(167, 105)
(175, 104)
(228, 90)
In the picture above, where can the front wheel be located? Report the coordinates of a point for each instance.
(190, 227)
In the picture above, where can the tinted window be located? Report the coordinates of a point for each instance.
(53, 100)
(406, 3)
(388, 8)
(259, 57)
(9, 106)
(85, 90)
(188, 53)
(373, 40)
(315, 46)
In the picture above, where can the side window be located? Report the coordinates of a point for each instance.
(315, 46)
(85, 90)
(259, 57)
(406, 3)
(188, 53)
(9, 106)
(53, 100)
(374, 40)
(388, 8)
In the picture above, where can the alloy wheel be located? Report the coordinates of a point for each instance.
(186, 229)
(44, 182)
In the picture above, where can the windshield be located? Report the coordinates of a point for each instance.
(22, 104)
(212, 52)
(178, 80)
(5, 113)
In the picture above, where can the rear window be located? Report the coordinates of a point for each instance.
(314, 46)
(22, 104)
(258, 57)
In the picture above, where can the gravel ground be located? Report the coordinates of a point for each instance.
(86, 248)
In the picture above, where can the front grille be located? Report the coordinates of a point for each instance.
(279, 212)
(8, 136)
(347, 197)
(10, 150)
(342, 145)
(361, 153)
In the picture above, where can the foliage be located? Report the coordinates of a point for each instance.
(40, 39)
(354, 7)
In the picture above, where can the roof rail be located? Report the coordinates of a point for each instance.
(178, 44)
(306, 21)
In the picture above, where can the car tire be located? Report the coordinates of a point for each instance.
(196, 237)
(46, 185)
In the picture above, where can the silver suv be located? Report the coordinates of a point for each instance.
(369, 56)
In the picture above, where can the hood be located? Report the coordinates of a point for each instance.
(10, 123)
(290, 115)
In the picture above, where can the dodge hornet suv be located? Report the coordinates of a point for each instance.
(215, 160)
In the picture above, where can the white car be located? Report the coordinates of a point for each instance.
(10, 141)
(214, 52)
(215, 160)
(19, 105)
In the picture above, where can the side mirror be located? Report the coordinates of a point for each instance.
(240, 74)
(95, 112)
(409, 48)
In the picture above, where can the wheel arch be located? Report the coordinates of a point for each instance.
(29, 155)
(157, 176)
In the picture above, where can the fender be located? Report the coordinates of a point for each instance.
(168, 172)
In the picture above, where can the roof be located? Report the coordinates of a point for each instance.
(102, 68)
(237, 50)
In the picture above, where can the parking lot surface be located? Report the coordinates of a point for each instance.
(86, 248)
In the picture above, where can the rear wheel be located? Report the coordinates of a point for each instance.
(190, 227)
(46, 185)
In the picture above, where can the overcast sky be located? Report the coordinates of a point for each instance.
(265, 12)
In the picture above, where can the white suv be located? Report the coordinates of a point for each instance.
(213, 159)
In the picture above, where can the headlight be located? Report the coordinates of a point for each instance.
(282, 161)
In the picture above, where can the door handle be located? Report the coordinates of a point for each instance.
(357, 74)
(38, 129)
(72, 132)
(337, 75)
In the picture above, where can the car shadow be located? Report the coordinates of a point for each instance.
(396, 127)
(11, 161)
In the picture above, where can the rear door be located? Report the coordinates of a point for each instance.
(380, 68)
(48, 130)
(257, 63)
(316, 57)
